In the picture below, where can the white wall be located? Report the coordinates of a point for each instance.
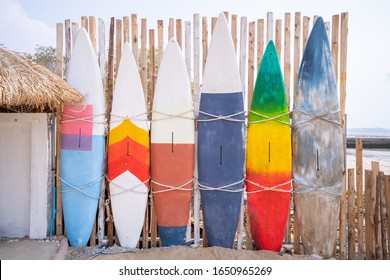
(23, 175)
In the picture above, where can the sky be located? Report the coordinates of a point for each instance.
(24, 24)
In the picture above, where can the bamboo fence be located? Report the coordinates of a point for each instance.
(364, 226)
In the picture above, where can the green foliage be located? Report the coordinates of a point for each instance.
(45, 56)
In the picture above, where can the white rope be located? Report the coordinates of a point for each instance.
(79, 188)
(219, 117)
(304, 188)
(266, 118)
(223, 188)
(324, 117)
(83, 119)
(133, 118)
(170, 116)
(172, 188)
(275, 188)
(131, 189)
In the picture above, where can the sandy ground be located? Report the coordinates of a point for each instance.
(58, 249)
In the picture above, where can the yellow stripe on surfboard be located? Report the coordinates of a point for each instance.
(127, 128)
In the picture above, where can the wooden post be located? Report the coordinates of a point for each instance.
(126, 29)
(92, 31)
(160, 35)
(359, 202)
(84, 23)
(351, 214)
(287, 57)
(343, 223)
(171, 27)
(278, 38)
(60, 50)
(387, 194)
(213, 21)
(383, 215)
(305, 32)
(68, 45)
(335, 43)
(118, 48)
(369, 230)
(196, 97)
(234, 31)
(260, 41)
(134, 36)
(251, 61)
(110, 92)
(143, 60)
(297, 50)
(270, 26)
(205, 43)
(75, 27)
(377, 218)
(343, 62)
(179, 33)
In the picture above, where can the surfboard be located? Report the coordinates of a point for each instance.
(269, 158)
(317, 146)
(172, 146)
(128, 152)
(221, 134)
(82, 143)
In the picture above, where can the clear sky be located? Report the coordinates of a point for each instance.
(27, 23)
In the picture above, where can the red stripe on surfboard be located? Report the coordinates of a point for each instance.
(268, 210)
(173, 168)
(128, 155)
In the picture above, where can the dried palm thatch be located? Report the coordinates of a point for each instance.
(28, 87)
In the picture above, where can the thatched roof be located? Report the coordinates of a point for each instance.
(28, 87)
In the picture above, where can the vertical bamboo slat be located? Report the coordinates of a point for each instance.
(251, 62)
(213, 21)
(68, 44)
(387, 194)
(359, 198)
(372, 197)
(278, 38)
(369, 231)
(92, 31)
(270, 27)
(118, 47)
(377, 218)
(160, 35)
(234, 31)
(287, 56)
(305, 31)
(171, 28)
(383, 215)
(205, 43)
(260, 42)
(59, 50)
(84, 23)
(126, 29)
(351, 214)
(134, 36)
(343, 223)
(335, 43)
(179, 33)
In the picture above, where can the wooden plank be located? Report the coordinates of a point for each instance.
(387, 194)
(110, 92)
(335, 43)
(351, 214)
(171, 27)
(343, 61)
(143, 59)
(343, 223)
(196, 110)
(383, 214)
(213, 21)
(378, 217)
(234, 31)
(270, 26)
(160, 35)
(251, 61)
(75, 29)
(84, 23)
(327, 28)
(60, 50)
(287, 61)
(68, 44)
(369, 230)
(179, 33)
(102, 63)
(278, 38)
(305, 31)
(297, 50)
(372, 197)
(134, 36)
(126, 29)
(205, 42)
(260, 41)
(226, 16)
(92, 31)
(118, 47)
(359, 198)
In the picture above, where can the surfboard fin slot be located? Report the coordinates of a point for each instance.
(220, 155)
(128, 149)
(269, 151)
(172, 142)
(79, 137)
(318, 162)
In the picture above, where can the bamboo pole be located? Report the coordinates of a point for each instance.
(251, 58)
(372, 198)
(84, 23)
(196, 97)
(234, 31)
(134, 36)
(205, 43)
(351, 214)
(118, 48)
(270, 26)
(297, 49)
(102, 63)
(387, 194)
(383, 215)
(260, 41)
(226, 16)
(359, 199)
(92, 31)
(343, 62)
(278, 38)
(377, 218)
(68, 44)
(60, 73)
(110, 92)
(343, 223)
(305, 32)
(213, 22)
(75, 29)
(335, 43)
(171, 27)
(160, 35)
(126, 29)
(368, 224)
(179, 33)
